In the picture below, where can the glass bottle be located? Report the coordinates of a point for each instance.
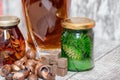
(12, 43)
(43, 18)
(77, 43)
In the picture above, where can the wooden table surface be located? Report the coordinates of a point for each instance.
(107, 63)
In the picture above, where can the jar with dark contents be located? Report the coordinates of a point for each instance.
(12, 43)
(77, 43)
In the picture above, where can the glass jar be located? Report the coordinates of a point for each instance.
(12, 43)
(77, 43)
(45, 28)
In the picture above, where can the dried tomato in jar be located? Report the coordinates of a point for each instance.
(12, 43)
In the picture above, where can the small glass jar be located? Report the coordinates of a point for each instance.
(77, 43)
(12, 43)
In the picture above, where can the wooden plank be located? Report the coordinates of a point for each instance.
(101, 48)
(65, 77)
(106, 68)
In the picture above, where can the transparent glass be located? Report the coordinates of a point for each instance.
(12, 45)
(77, 47)
(43, 18)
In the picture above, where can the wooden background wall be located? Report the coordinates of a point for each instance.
(106, 13)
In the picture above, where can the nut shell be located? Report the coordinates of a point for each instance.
(30, 63)
(25, 72)
(15, 67)
(18, 63)
(18, 76)
(23, 60)
(32, 77)
(43, 72)
(30, 68)
(5, 70)
(31, 54)
(9, 77)
(37, 67)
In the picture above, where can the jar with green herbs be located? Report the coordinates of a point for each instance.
(77, 43)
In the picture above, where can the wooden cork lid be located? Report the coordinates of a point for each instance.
(78, 23)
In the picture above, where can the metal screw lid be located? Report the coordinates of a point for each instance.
(7, 21)
(78, 23)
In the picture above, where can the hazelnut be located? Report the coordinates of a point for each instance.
(32, 77)
(22, 67)
(42, 71)
(23, 60)
(30, 69)
(50, 77)
(31, 63)
(44, 59)
(5, 70)
(31, 54)
(20, 63)
(9, 76)
(25, 72)
(18, 76)
(37, 68)
(36, 61)
(15, 67)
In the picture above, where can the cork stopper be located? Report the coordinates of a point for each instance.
(78, 23)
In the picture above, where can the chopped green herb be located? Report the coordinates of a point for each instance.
(77, 47)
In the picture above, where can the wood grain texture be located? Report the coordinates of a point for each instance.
(101, 49)
(106, 68)
(107, 63)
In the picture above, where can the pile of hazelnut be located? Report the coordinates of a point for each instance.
(28, 67)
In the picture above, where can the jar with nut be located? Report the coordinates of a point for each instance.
(12, 43)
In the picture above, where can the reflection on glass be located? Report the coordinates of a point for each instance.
(43, 19)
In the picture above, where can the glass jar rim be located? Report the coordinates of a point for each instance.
(78, 23)
(7, 21)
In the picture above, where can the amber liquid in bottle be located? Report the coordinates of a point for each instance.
(52, 39)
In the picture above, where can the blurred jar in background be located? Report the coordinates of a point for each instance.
(43, 18)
